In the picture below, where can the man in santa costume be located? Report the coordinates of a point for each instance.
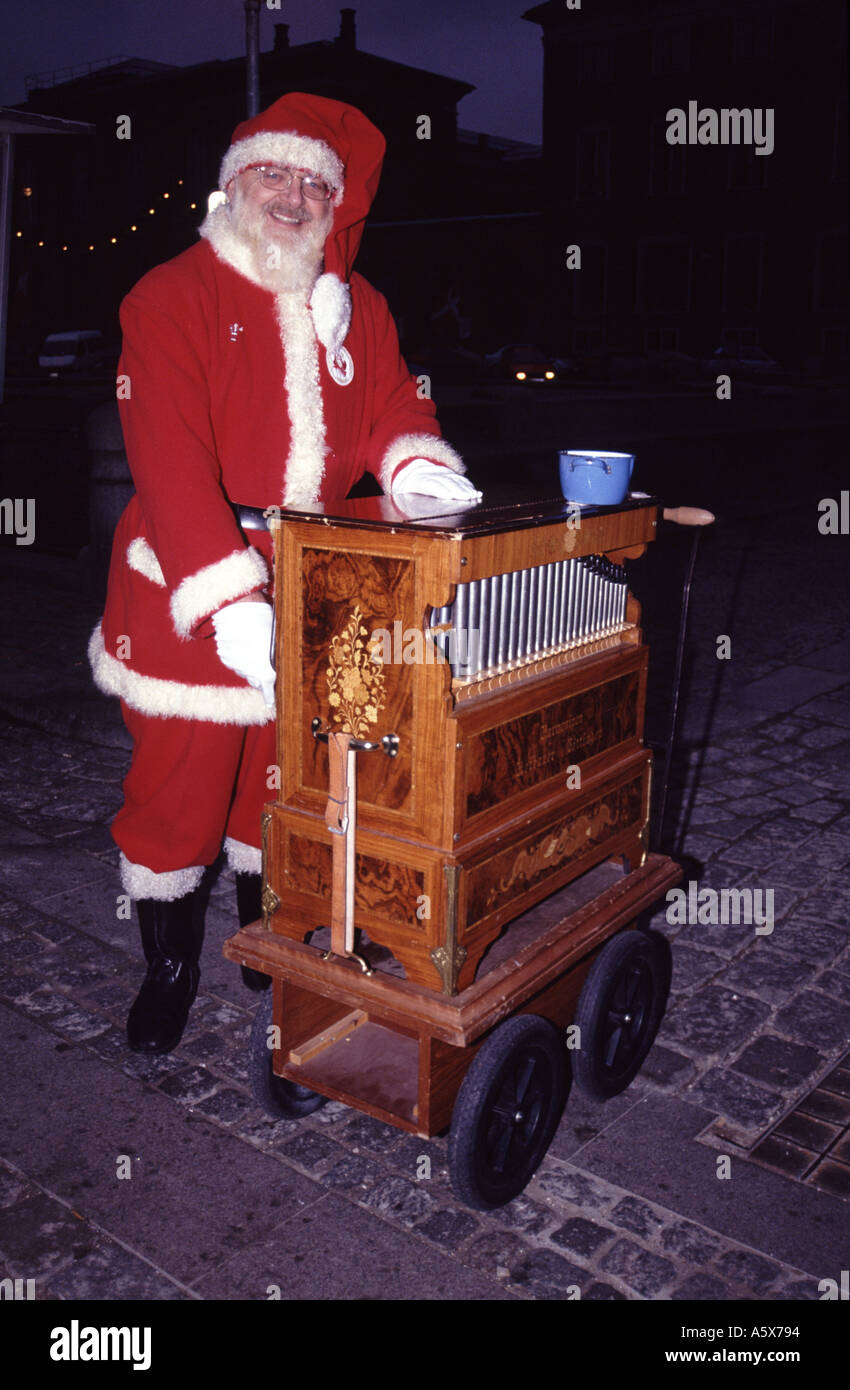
(259, 371)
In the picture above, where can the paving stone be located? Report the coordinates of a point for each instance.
(835, 983)
(798, 1290)
(496, 1252)
(228, 1106)
(14, 1187)
(811, 1015)
(112, 1273)
(713, 1020)
(728, 1093)
(772, 843)
(80, 1026)
(666, 1068)
(603, 1293)
(633, 1215)
(689, 1241)
(581, 1237)
(526, 1215)
(768, 974)
(40, 1234)
(448, 1228)
(702, 1288)
(750, 1270)
(364, 1132)
(829, 906)
(648, 1274)
(571, 1188)
(548, 1275)
(310, 1150)
(777, 1062)
(404, 1201)
(353, 1171)
(809, 939)
(693, 967)
(190, 1086)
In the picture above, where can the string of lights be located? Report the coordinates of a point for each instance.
(98, 243)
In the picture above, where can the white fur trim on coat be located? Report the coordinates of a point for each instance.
(140, 557)
(242, 858)
(423, 446)
(217, 229)
(305, 465)
(151, 695)
(140, 882)
(285, 147)
(209, 589)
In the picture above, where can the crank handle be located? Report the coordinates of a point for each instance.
(688, 516)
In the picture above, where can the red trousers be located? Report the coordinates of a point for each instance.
(191, 784)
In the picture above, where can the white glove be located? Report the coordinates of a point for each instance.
(433, 480)
(243, 638)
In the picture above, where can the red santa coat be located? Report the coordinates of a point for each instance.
(235, 394)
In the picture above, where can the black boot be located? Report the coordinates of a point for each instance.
(171, 939)
(249, 905)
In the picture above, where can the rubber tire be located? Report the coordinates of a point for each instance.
(630, 973)
(278, 1097)
(477, 1134)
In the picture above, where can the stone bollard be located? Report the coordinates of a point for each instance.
(110, 486)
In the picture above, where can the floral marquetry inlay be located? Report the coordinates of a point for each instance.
(355, 678)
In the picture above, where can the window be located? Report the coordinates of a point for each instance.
(588, 340)
(746, 168)
(595, 64)
(661, 340)
(752, 38)
(742, 273)
(592, 161)
(666, 164)
(671, 51)
(590, 282)
(831, 277)
(664, 279)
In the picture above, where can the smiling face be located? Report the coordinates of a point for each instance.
(285, 231)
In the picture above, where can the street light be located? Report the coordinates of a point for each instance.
(252, 53)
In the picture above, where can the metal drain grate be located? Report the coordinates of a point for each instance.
(812, 1142)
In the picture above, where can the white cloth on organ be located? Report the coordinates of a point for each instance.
(433, 480)
(243, 638)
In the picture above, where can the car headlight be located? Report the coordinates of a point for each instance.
(520, 376)
(550, 376)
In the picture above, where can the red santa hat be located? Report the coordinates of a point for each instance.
(333, 140)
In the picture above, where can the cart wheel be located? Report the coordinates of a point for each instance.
(278, 1097)
(507, 1110)
(619, 1009)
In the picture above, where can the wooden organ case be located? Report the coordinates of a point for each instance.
(500, 645)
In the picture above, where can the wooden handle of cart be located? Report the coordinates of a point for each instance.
(689, 516)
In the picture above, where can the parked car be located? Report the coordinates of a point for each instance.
(524, 363)
(744, 360)
(79, 350)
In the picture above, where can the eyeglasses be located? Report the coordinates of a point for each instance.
(279, 177)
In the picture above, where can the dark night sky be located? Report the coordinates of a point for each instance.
(485, 42)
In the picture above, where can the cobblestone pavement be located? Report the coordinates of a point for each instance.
(125, 1177)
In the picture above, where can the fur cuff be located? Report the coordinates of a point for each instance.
(139, 882)
(421, 446)
(164, 699)
(242, 858)
(212, 587)
(140, 557)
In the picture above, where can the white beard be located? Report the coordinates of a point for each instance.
(284, 264)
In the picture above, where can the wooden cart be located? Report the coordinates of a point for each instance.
(529, 965)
